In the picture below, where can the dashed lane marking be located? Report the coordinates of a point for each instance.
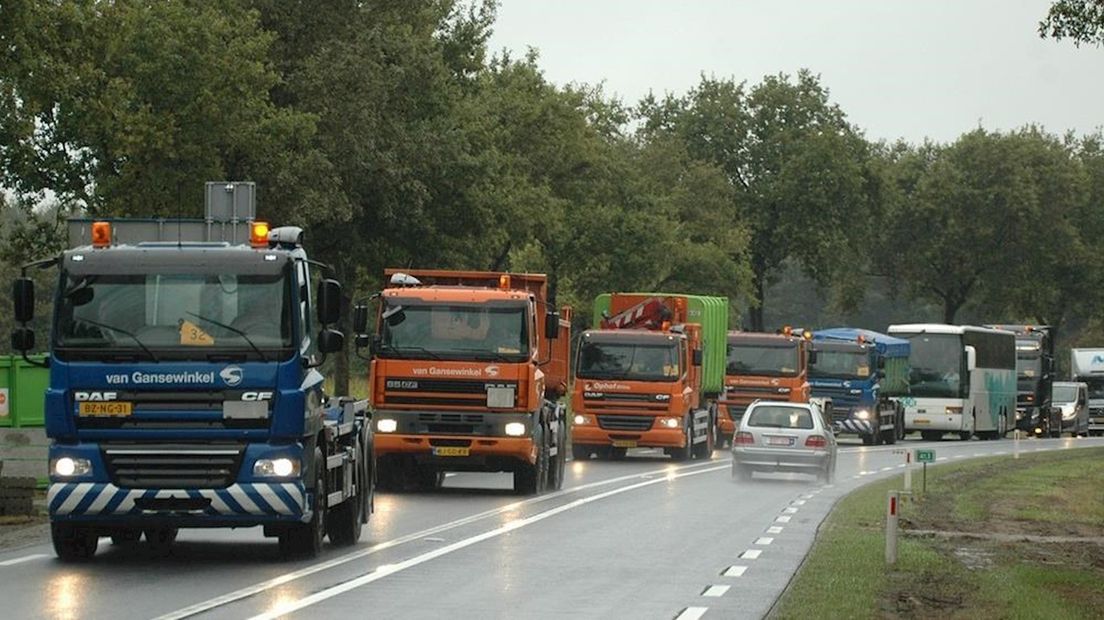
(764, 540)
(798, 502)
(734, 571)
(782, 519)
(715, 590)
(890, 468)
(751, 554)
(26, 558)
(692, 613)
(774, 529)
(789, 510)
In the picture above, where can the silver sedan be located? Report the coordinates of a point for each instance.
(784, 437)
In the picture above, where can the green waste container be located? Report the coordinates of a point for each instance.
(22, 392)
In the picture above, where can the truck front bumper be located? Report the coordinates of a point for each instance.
(592, 434)
(457, 448)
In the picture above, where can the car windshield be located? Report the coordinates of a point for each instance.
(456, 331)
(746, 358)
(1064, 394)
(632, 361)
(841, 364)
(935, 364)
(780, 417)
(174, 315)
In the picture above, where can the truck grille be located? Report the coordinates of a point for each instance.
(625, 422)
(157, 466)
(413, 391)
(451, 423)
(175, 410)
(841, 399)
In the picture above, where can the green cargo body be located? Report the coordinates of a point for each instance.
(23, 392)
(712, 314)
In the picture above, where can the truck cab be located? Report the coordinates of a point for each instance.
(762, 366)
(1087, 366)
(1034, 374)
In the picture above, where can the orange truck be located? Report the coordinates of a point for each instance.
(763, 366)
(650, 376)
(467, 373)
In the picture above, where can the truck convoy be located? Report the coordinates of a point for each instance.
(763, 366)
(184, 385)
(650, 376)
(1087, 365)
(862, 373)
(467, 373)
(1034, 375)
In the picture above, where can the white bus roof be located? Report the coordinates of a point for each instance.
(941, 328)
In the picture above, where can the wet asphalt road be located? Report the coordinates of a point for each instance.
(639, 538)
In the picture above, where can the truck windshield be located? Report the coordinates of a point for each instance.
(174, 316)
(1096, 388)
(936, 362)
(457, 331)
(631, 361)
(746, 358)
(841, 364)
(1029, 370)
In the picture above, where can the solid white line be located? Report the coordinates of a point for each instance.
(390, 569)
(764, 540)
(942, 458)
(751, 554)
(782, 519)
(692, 613)
(280, 580)
(774, 529)
(901, 466)
(715, 590)
(26, 558)
(735, 571)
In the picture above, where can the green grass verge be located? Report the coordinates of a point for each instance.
(1047, 494)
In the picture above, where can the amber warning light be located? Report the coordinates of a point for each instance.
(258, 235)
(101, 234)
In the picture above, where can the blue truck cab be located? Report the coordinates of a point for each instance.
(184, 389)
(862, 372)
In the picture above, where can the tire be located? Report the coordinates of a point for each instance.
(388, 475)
(304, 540)
(580, 452)
(704, 449)
(161, 539)
(617, 454)
(529, 479)
(73, 543)
(931, 435)
(868, 440)
(428, 478)
(345, 522)
(720, 441)
(687, 452)
(126, 537)
(965, 435)
(558, 465)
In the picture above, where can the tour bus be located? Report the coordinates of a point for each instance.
(962, 380)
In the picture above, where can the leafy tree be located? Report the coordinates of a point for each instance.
(1080, 20)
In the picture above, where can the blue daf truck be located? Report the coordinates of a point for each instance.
(184, 385)
(863, 373)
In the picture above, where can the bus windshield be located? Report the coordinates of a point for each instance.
(630, 361)
(841, 364)
(746, 358)
(457, 331)
(174, 315)
(936, 362)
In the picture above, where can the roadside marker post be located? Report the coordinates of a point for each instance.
(892, 506)
(1016, 444)
(908, 472)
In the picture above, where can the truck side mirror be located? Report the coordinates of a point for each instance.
(360, 319)
(552, 325)
(23, 298)
(971, 358)
(696, 357)
(812, 356)
(330, 341)
(881, 364)
(329, 302)
(22, 339)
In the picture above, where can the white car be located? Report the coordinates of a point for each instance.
(784, 437)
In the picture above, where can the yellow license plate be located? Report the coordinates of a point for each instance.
(451, 451)
(111, 409)
(624, 443)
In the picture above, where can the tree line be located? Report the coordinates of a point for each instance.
(395, 136)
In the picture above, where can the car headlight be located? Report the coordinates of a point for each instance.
(1068, 412)
(862, 414)
(668, 422)
(387, 425)
(515, 429)
(67, 467)
(276, 468)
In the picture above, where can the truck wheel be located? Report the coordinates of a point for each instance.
(720, 442)
(161, 539)
(965, 435)
(889, 436)
(618, 454)
(558, 465)
(305, 539)
(580, 452)
(868, 439)
(687, 452)
(931, 435)
(529, 479)
(126, 537)
(427, 478)
(388, 475)
(73, 543)
(345, 521)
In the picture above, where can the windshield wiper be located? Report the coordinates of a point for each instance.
(234, 330)
(398, 351)
(493, 355)
(123, 332)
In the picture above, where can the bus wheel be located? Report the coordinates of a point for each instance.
(965, 435)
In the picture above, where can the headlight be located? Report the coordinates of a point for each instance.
(515, 429)
(66, 467)
(387, 425)
(276, 468)
(862, 414)
(668, 422)
(1068, 412)
(583, 420)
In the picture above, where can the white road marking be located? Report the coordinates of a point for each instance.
(774, 529)
(789, 510)
(798, 502)
(434, 539)
(715, 590)
(809, 496)
(390, 569)
(1000, 453)
(280, 580)
(901, 466)
(26, 558)
(692, 613)
(782, 519)
(764, 540)
(942, 458)
(751, 554)
(887, 468)
(735, 571)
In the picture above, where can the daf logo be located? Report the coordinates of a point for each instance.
(774, 382)
(94, 396)
(846, 384)
(232, 375)
(491, 371)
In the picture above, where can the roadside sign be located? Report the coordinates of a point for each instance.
(925, 456)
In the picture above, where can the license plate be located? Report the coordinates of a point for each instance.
(451, 451)
(624, 443)
(500, 397)
(780, 441)
(922, 421)
(109, 409)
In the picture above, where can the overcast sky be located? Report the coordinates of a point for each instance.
(898, 68)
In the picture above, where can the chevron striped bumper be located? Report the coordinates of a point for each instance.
(854, 426)
(251, 500)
